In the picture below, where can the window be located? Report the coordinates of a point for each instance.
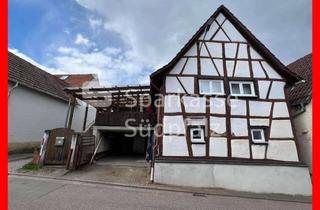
(238, 88)
(211, 87)
(197, 134)
(258, 135)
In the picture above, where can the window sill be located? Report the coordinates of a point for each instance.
(198, 142)
(260, 143)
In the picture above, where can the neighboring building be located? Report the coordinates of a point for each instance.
(37, 102)
(246, 143)
(80, 80)
(300, 100)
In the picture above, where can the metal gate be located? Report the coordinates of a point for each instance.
(58, 146)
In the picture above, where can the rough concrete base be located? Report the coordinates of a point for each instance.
(26, 147)
(292, 180)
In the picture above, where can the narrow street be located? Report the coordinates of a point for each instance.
(41, 193)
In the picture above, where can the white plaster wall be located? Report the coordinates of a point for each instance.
(215, 49)
(194, 104)
(260, 108)
(230, 50)
(172, 104)
(282, 150)
(207, 67)
(263, 88)
(173, 85)
(254, 54)
(270, 71)
(191, 67)
(179, 66)
(188, 84)
(218, 124)
(239, 126)
(257, 70)
(240, 148)
(238, 107)
(217, 105)
(242, 69)
(174, 146)
(303, 128)
(173, 125)
(230, 66)
(198, 150)
(280, 109)
(259, 122)
(281, 129)
(218, 147)
(31, 112)
(258, 151)
(232, 32)
(249, 178)
(277, 90)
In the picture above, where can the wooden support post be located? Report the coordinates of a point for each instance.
(72, 105)
(85, 118)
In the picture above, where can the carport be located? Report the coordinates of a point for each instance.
(124, 121)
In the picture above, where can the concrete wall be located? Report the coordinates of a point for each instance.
(303, 127)
(291, 180)
(31, 112)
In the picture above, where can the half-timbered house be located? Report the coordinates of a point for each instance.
(225, 114)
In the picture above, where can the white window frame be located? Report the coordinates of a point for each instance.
(262, 131)
(241, 83)
(201, 140)
(211, 92)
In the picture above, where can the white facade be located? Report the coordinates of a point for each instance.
(31, 112)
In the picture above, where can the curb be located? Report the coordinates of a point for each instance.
(195, 192)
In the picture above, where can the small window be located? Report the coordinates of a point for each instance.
(239, 88)
(197, 134)
(258, 135)
(211, 87)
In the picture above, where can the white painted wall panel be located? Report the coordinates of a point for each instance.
(230, 50)
(172, 104)
(192, 51)
(259, 122)
(198, 150)
(254, 54)
(230, 67)
(218, 147)
(232, 32)
(280, 109)
(213, 28)
(191, 66)
(238, 107)
(242, 69)
(173, 85)
(188, 84)
(179, 66)
(270, 71)
(282, 150)
(220, 18)
(207, 67)
(277, 90)
(243, 52)
(239, 127)
(173, 125)
(263, 88)
(257, 70)
(174, 146)
(220, 36)
(217, 105)
(240, 148)
(218, 125)
(260, 108)
(194, 104)
(215, 49)
(219, 65)
(203, 50)
(258, 151)
(281, 129)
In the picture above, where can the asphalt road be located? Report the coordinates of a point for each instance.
(40, 193)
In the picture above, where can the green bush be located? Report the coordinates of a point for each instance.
(31, 166)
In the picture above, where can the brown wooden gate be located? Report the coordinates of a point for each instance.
(58, 146)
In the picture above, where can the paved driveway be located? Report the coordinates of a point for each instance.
(41, 193)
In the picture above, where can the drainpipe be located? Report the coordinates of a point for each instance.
(11, 89)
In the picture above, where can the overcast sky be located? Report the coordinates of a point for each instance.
(124, 40)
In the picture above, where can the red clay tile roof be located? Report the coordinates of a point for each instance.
(302, 93)
(33, 77)
(77, 80)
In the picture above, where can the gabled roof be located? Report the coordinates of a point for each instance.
(33, 77)
(78, 80)
(257, 45)
(302, 93)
